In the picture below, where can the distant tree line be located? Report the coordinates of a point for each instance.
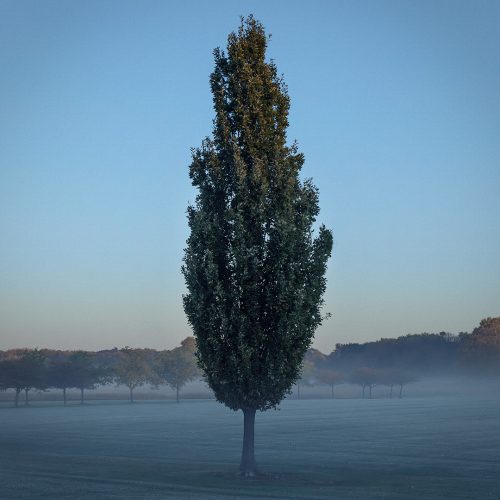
(394, 363)
(325, 373)
(391, 363)
(25, 369)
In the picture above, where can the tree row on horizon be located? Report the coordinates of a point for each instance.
(42, 369)
(386, 362)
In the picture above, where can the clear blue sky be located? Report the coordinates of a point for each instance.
(395, 104)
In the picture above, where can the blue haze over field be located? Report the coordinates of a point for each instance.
(394, 104)
(319, 449)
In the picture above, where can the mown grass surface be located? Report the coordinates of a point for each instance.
(355, 449)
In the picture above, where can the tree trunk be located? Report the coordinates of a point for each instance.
(81, 395)
(26, 397)
(390, 394)
(370, 387)
(400, 391)
(363, 391)
(177, 393)
(333, 392)
(16, 400)
(248, 467)
(298, 391)
(131, 394)
(64, 395)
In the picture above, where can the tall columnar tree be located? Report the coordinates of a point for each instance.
(254, 268)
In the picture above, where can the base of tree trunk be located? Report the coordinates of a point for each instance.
(248, 466)
(248, 475)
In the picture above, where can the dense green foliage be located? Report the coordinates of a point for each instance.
(254, 270)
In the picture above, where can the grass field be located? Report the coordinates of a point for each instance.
(406, 449)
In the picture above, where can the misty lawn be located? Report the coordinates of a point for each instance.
(428, 448)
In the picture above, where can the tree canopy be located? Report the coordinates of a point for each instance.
(133, 369)
(254, 267)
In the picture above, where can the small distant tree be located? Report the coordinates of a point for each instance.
(330, 377)
(34, 363)
(365, 377)
(13, 377)
(3, 375)
(87, 374)
(133, 369)
(402, 379)
(61, 375)
(388, 377)
(178, 366)
(254, 269)
(23, 371)
(306, 376)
